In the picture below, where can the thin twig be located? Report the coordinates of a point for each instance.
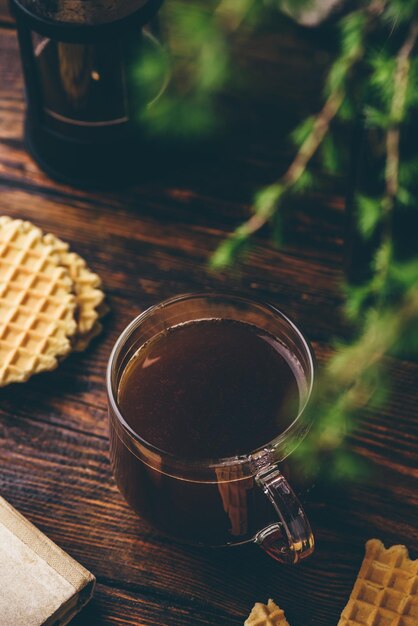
(400, 85)
(312, 143)
(265, 207)
(397, 109)
(298, 165)
(304, 155)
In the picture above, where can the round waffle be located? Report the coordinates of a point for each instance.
(37, 305)
(386, 589)
(88, 293)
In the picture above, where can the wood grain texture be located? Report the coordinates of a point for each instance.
(152, 241)
(5, 16)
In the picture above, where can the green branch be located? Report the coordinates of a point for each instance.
(266, 203)
(397, 114)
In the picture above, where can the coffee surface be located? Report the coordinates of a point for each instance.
(210, 388)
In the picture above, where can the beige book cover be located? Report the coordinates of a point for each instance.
(39, 582)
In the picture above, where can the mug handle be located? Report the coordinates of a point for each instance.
(290, 539)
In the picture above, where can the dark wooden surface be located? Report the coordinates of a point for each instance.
(152, 241)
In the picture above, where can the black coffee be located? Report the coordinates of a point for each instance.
(210, 388)
(205, 389)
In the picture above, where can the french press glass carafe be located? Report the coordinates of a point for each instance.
(79, 59)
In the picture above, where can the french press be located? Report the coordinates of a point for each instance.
(83, 97)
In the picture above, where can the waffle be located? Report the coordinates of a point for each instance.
(89, 296)
(386, 590)
(82, 341)
(270, 615)
(36, 303)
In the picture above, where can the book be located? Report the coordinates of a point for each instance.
(40, 584)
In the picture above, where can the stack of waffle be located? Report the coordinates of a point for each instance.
(50, 301)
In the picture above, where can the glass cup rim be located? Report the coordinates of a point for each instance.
(207, 462)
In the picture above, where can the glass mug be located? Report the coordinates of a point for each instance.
(213, 502)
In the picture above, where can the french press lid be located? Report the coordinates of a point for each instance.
(83, 21)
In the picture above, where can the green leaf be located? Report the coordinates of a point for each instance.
(381, 76)
(332, 155)
(356, 299)
(228, 251)
(406, 273)
(383, 256)
(302, 131)
(407, 344)
(265, 201)
(352, 28)
(181, 117)
(398, 12)
(305, 182)
(381, 394)
(333, 432)
(348, 466)
(375, 118)
(348, 111)
(405, 198)
(408, 169)
(337, 75)
(369, 212)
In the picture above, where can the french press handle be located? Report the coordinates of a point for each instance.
(290, 539)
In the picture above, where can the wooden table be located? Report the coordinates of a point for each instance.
(150, 242)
